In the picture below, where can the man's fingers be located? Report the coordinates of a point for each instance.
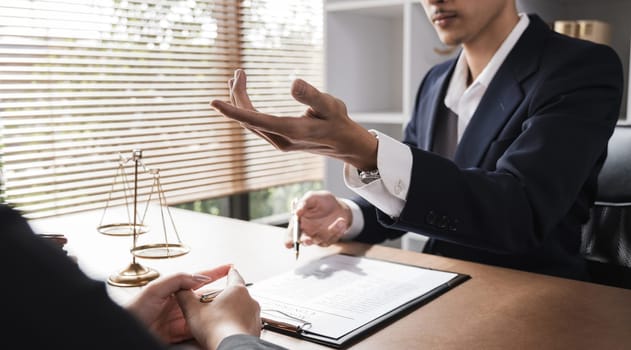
(254, 122)
(307, 204)
(239, 90)
(252, 119)
(338, 227)
(230, 85)
(307, 94)
(277, 141)
(239, 114)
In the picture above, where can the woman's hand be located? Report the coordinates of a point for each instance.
(233, 311)
(158, 309)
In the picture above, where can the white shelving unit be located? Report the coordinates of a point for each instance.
(377, 52)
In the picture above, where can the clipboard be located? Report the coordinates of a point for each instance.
(336, 315)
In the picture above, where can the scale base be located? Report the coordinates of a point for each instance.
(134, 275)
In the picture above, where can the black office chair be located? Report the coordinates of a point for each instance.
(607, 235)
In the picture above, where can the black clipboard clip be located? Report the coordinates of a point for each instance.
(284, 321)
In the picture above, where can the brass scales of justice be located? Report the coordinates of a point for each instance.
(136, 274)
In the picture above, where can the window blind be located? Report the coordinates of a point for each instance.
(84, 82)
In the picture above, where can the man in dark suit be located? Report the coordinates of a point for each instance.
(499, 161)
(48, 302)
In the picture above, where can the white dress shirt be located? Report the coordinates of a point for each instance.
(394, 159)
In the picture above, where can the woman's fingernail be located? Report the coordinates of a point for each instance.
(201, 278)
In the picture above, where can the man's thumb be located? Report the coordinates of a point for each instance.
(307, 94)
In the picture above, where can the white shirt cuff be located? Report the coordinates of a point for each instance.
(394, 161)
(357, 224)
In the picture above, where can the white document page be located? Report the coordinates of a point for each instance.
(340, 293)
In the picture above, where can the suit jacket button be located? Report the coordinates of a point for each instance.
(442, 223)
(431, 217)
(453, 225)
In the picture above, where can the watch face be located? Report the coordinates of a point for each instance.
(369, 176)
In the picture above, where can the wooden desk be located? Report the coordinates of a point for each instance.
(497, 309)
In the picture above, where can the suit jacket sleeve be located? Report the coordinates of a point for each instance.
(48, 301)
(246, 342)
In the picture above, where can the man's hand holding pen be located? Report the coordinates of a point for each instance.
(321, 219)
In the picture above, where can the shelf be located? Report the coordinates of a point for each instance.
(364, 56)
(377, 52)
(382, 8)
(379, 117)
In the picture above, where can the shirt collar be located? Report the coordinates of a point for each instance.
(458, 83)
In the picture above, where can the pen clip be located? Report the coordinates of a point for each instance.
(209, 296)
(286, 322)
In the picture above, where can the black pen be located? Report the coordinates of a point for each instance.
(211, 295)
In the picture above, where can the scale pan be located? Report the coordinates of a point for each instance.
(122, 229)
(160, 250)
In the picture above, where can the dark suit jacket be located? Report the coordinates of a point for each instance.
(246, 342)
(524, 173)
(48, 303)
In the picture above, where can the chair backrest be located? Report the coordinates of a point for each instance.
(614, 180)
(607, 235)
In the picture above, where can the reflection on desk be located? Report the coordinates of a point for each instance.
(497, 309)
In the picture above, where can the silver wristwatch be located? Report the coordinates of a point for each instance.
(368, 176)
